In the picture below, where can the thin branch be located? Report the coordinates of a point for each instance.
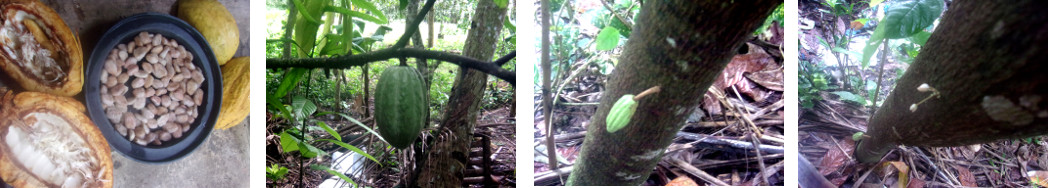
(880, 76)
(547, 103)
(345, 62)
(505, 59)
(617, 15)
(403, 41)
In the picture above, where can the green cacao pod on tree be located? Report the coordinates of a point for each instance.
(400, 105)
(621, 113)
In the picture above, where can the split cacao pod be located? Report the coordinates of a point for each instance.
(47, 141)
(38, 50)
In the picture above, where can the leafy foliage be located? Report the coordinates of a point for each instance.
(851, 97)
(812, 81)
(904, 19)
(776, 16)
(275, 172)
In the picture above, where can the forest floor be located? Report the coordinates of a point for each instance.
(748, 96)
(826, 131)
(497, 124)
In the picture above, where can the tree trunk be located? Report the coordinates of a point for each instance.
(449, 157)
(987, 60)
(680, 45)
(429, 20)
(420, 64)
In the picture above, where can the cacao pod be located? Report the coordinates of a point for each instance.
(39, 51)
(215, 23)
(400, 105)
(47, 141)
(235, 92)
(621, 113)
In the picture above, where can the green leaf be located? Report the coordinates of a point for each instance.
(306, 31)
(862, 20)
(310, 151)
(290, 80)
(378, 20)
(874, 3)
(276, 172)
(403, 4)
(623, 30)
(824, 43)
(608, 38)
(509, 25)
(334, 45)
(903, 19)
(908, 17)
(305, 12)
(351, 148)
(846, 51)
(329, 130)
(808, 104)
(303, 107)
(921, 37)
(274, 103)
(870, 49)
(371, 7)
(288, 142)
(333, 172)
(849, 96)
(502, 3)
(356, 122)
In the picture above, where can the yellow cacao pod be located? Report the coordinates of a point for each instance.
(235, 92)
(215, 22)
(621, 113)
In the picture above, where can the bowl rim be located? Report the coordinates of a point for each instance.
(172, 28)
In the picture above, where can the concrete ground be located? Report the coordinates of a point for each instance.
(221, 161)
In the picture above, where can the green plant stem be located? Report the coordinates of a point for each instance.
(649, 91)
(880, 74)
(547, 101)
(617, 15)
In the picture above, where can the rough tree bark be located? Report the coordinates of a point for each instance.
(447, 160)
(988, 60)
(681, 45)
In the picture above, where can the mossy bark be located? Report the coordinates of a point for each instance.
(988, 61)
(680, 45)
(448, 158)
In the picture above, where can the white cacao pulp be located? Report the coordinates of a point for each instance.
(47, 141)
(26, 43)
(46, 146)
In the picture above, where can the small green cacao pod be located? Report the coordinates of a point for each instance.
(400, 105)
(857, 136)
(621, 113)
